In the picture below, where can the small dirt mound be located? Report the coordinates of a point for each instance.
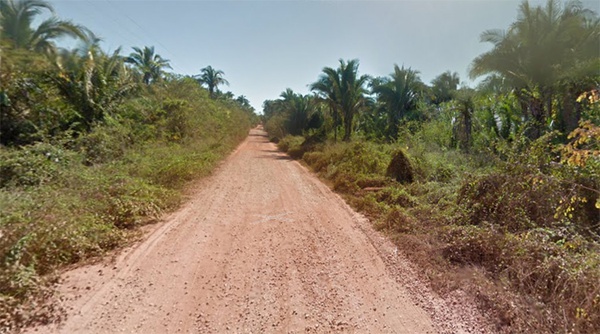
(400, 168)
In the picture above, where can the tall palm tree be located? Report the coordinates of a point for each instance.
(327, 89)
(463, 124)
(212, 78)
(299, 110)
(287, 95)
(343, 90)
(243, 101)
(17, 16)
(542, 47)
(399, 93)
(92, 81)
(149, 64)
(444, 86)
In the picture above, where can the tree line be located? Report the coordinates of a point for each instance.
(542, 74)
(46, 89)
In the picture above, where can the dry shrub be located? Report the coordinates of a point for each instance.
(474, 245)
(15, 315)
(345, 182)
(350, 166)
(316, 160)
(519, 202)
(293, 146)
(514, 203)
(400, 168)
(561, 276)
(557, 276)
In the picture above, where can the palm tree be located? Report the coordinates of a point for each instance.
(399, 93)
(463, 123)
(299, 109)
(92, 81)
(543, 47)
(327, 88)
(343, 90)
(149, 64)
(243, 101)
(287, 95)
(17, 16)
(212, 78)
(444, 86)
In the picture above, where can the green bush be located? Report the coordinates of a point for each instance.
(104, 143)
(290, 143)
(275, 127)
(33, 165)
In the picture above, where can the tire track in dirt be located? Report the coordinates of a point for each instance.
(262, 246)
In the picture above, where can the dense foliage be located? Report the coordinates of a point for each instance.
(91, 145)
(501, 182)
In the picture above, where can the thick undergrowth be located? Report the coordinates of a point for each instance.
(518, 231)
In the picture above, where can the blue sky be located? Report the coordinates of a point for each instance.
(266, 46)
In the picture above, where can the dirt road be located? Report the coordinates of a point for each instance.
(262, 246)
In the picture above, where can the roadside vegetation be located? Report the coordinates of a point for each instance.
(494, 190)
(92, 145)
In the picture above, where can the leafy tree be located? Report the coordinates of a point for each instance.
(546, 47)
(343, 90)
(399, 94)
(16, 19)
(149, 64)
(212, 78)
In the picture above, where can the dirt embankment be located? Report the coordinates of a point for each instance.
(262, 246)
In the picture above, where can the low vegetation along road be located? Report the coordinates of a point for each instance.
(261, 246)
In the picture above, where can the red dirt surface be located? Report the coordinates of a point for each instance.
(261, 246)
